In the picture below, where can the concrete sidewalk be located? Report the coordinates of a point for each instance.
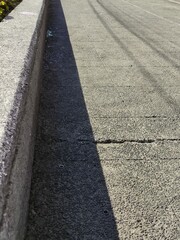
(107, 161)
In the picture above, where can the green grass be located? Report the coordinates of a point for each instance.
(7, 6)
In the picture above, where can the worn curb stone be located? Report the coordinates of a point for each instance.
(21, 44)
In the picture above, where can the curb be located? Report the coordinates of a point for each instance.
(22, 44)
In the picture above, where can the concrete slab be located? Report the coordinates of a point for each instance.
(138, 192)
(139, 199)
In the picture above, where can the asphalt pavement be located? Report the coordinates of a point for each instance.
(107, 159)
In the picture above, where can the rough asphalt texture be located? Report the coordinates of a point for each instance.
(107, 160)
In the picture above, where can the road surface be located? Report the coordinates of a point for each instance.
(107, 160)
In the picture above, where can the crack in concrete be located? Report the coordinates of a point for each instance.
(121, 141)
(140, 159)
(109, 141)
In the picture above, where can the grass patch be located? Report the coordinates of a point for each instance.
(6, 6)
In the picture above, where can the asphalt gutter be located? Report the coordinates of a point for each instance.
(22, 35)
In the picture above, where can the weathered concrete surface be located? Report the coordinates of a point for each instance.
(107, 161)
(21, 43)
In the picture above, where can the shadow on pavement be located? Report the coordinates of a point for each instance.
(69, 197)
